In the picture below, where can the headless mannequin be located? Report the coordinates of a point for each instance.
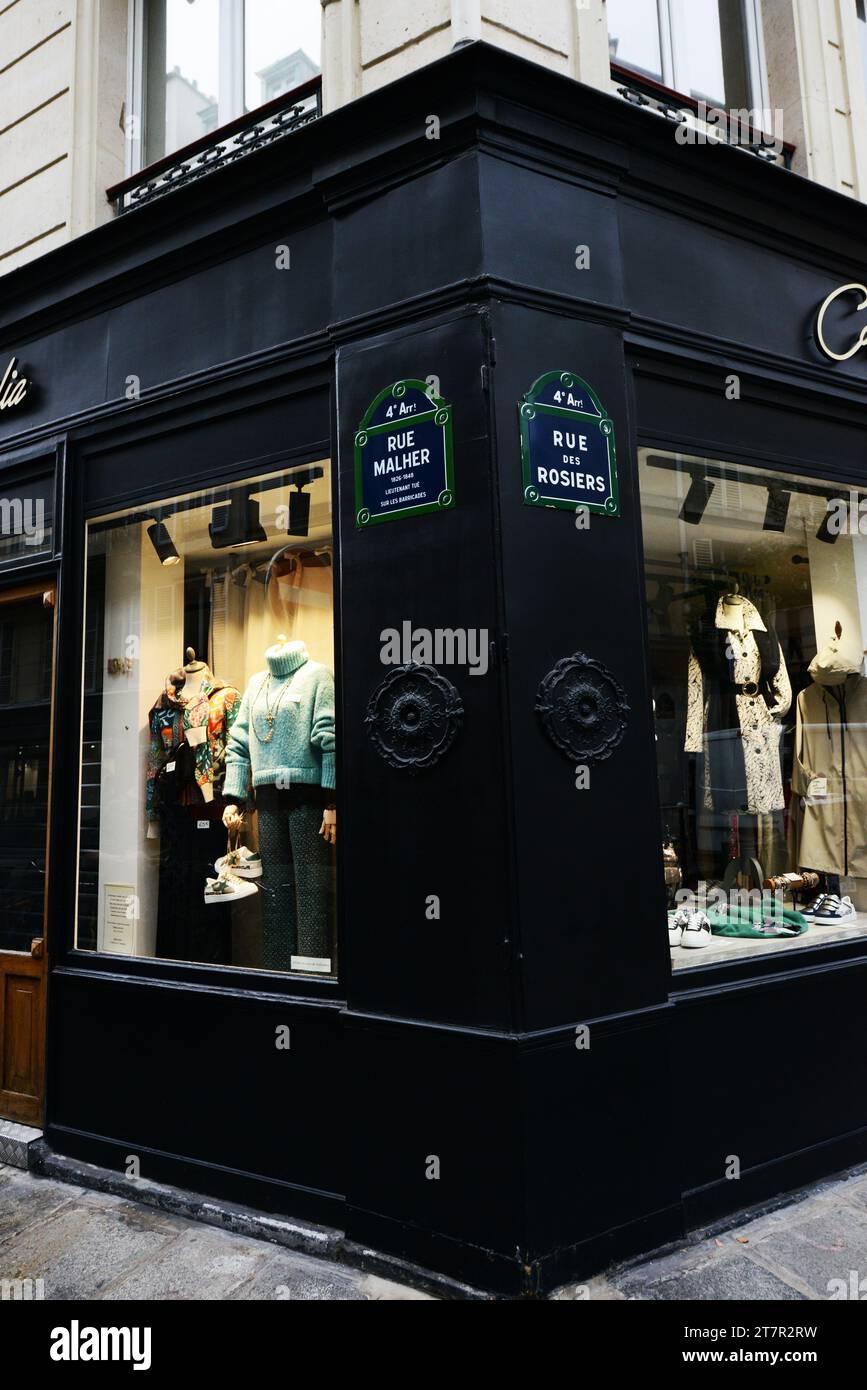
(746, 862)
(189, 833)
(196, 673)
(232, 817)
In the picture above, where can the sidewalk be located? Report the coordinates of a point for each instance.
(90, 1245)
(795, 1251)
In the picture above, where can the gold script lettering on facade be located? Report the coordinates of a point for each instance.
(13, 386)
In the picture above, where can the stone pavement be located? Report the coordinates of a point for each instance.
(87, 1244)
(797, 1250)
(92, 1245)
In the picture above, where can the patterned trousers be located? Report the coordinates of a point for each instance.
(295, 887)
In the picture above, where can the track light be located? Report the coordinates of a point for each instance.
(697, 498)
(163, 544)
(777, 510)
(299, 513)
(298, 522)
(236, 523)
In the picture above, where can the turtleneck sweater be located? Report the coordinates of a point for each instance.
(284, 732)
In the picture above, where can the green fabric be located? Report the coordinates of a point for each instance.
(745, 920)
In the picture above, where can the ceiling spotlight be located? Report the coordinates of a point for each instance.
(299, 513)
(696, 500)
(236, 523)
(777, 509)
(163, 544)
(298, 523)
(825, 532)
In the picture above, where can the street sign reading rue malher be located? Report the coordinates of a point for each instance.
(567, 446)
(404, 459)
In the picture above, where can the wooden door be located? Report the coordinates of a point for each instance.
(27, 639)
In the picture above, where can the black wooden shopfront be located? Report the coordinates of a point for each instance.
(454, 1038)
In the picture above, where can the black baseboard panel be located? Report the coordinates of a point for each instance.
(780, 1177)
(578, 1263)
(250, 1189)
(467, 1265)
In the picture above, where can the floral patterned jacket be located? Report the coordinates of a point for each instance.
(217, 708)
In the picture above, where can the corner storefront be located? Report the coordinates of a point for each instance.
(572, 368)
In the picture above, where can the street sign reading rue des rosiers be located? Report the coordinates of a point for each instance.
(567, 446)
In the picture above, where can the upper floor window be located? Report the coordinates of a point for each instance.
(711, 50)
(198, 64)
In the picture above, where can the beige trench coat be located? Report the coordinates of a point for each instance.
(830, 834)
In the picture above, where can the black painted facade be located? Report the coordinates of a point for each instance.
(456, 1038)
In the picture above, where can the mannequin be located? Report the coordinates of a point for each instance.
(283, 740)
(186, 687)
(207, 707)
(738, 693)
(198, 674)
(189, 727)
(828, 825)
(232, 817)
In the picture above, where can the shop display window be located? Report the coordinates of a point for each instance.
(208, 812)
(756, 585)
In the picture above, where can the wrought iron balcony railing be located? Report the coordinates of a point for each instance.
(708, 123)
(264, 126)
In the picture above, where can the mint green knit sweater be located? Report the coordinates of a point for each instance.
(300, 695)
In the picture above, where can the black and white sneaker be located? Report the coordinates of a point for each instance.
(697, 932)
(830, 910)
(813, 907)
(677, 922)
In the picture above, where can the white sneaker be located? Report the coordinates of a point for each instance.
(242, 862)
(228, 889)
(697, 931)
(676, 923)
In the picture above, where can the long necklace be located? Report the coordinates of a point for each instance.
(270, 711)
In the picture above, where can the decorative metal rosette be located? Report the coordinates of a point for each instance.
(583, 708)
(413, 716)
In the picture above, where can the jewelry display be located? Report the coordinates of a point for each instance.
(271, 712)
